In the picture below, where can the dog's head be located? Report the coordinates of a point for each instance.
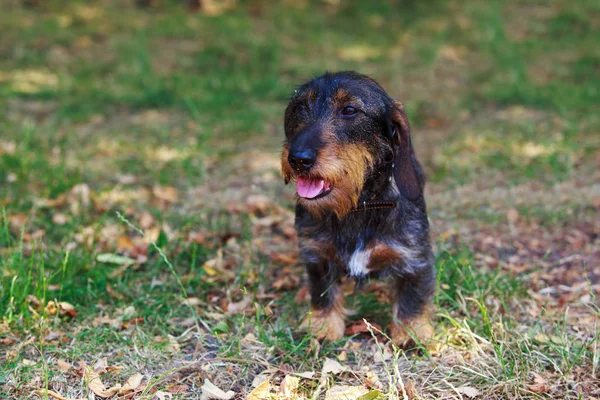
(343, 131)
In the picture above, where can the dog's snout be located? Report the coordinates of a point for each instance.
(301, 160)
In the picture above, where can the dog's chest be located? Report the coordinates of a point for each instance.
(373, 257)
(355, 258)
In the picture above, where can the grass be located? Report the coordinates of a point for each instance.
(173, 119)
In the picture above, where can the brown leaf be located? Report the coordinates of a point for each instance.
(100, 366)
(359, 327)
(43, 393)
(66, 309)
(63, 365)
(166, 193)
(240, 307)
(303, 295)
(539, 385)
(33, 301)
(286, 282)
(17, 221)
(124, 243)
(178, 389)
(132, 383)
(95, 383)
(284, 258)
(258, 203)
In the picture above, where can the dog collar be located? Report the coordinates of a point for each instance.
(373, 205)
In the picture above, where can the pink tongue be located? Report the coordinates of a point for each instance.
(309, 188)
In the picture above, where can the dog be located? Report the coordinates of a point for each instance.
(360, 207)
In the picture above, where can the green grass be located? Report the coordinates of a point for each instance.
(173, 119)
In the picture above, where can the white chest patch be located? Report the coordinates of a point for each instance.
(357, 266)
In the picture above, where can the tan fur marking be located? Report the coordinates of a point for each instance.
(383, 256)
(341, 96)
(420, 327)
(286, 168)
(311, 95)
(330, 324)
(345, 167)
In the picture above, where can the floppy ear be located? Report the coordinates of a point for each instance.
(409, 181)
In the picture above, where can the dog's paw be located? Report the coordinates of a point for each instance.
(325, 325)
(406, 335)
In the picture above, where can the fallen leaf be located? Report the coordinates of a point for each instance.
(288, 389)
(109, 258)
(333, 367)
(191, 301)
(173, 346)
(59, 219)
(371, 380)
(101, 365)
(66, 309)
(258, 203)
(261, 392)
(132, 383)
(240, 306)
(17, 221)
(346, 392)
(63, 365)
(163, 395)
(33, 301)
(359, 327)
(468, 391)
(306, 375)
(178, 389)
(52, 335)
(94, 382)
(216, 7)
(43, 393)
(51, 308)
(28, 363)
(125, 243)
(539, 385)
(210, 391)
(166, 193)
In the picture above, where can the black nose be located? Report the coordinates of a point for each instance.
(302, 160)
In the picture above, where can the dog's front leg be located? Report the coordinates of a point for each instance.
(326, 318)
(412, 308)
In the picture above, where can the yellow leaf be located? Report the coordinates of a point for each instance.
(260, 392)
(345, 392)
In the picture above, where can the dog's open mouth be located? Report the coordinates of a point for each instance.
(312, 188)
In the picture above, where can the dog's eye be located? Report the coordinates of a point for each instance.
(349, 110)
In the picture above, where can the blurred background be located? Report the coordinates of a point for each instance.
(171, 112)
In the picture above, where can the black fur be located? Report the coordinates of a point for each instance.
(311, 111)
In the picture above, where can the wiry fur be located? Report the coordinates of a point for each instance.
(356, 155)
